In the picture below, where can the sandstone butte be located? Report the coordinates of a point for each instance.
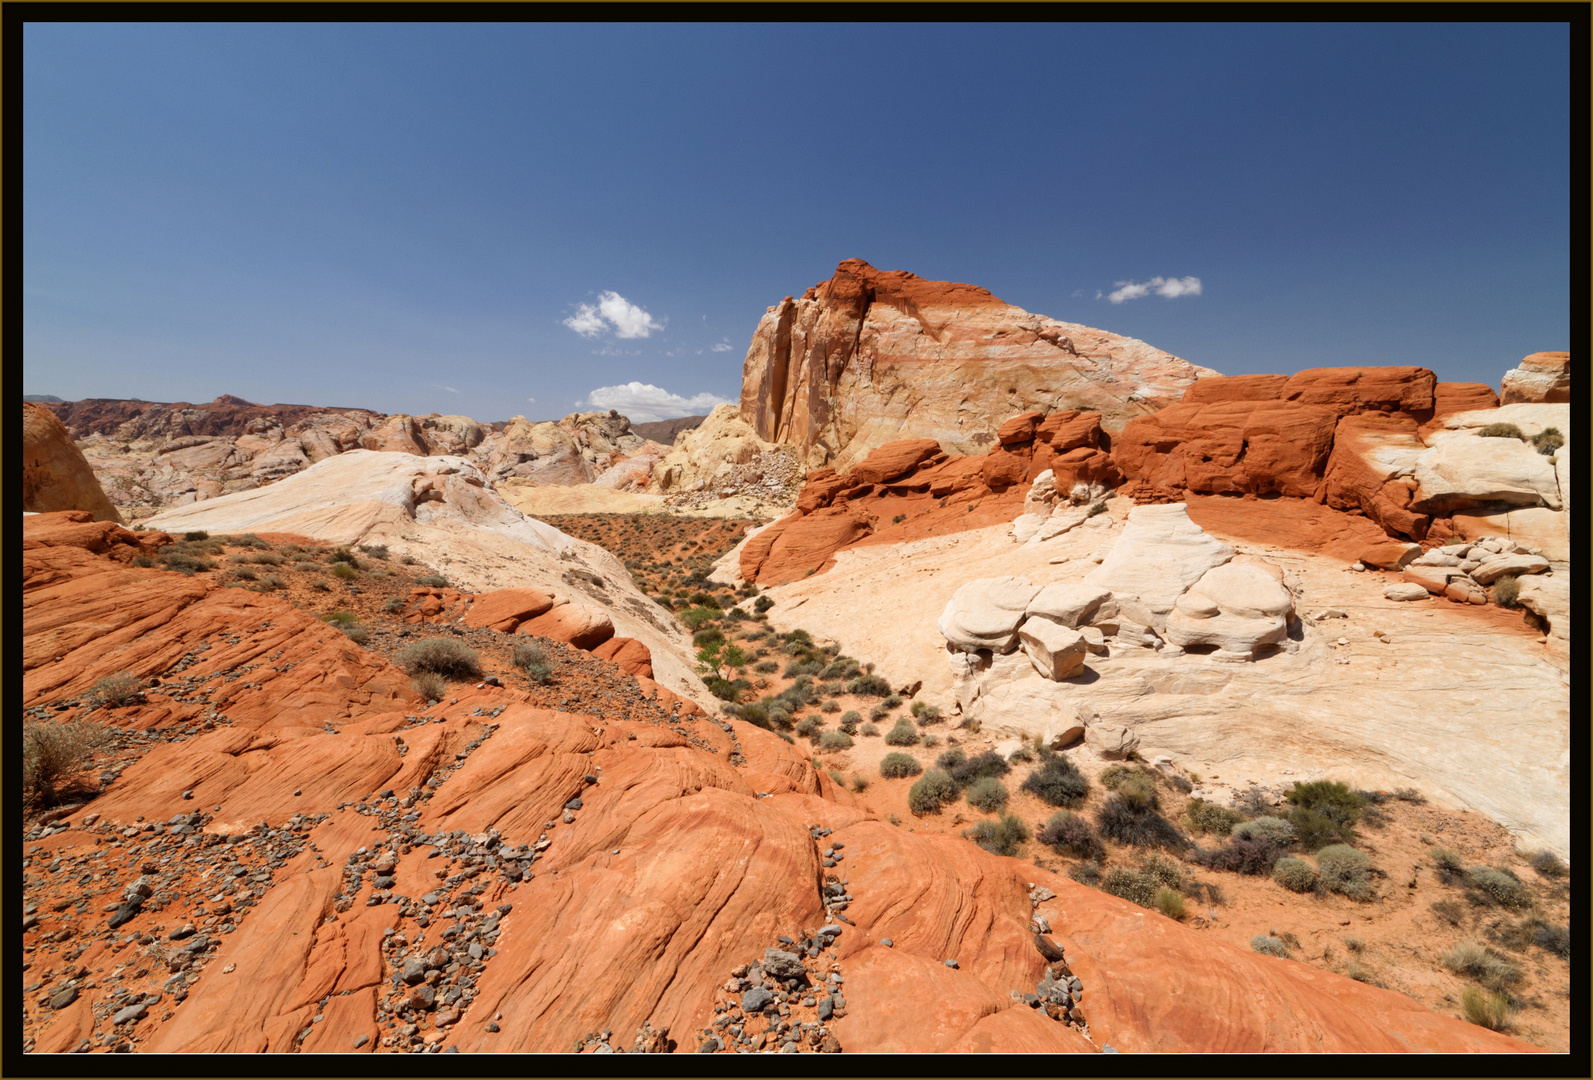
(871, 357)
(55, 475)
(676, 866)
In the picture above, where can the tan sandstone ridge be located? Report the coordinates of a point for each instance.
(443, 511)
(1542, 377)
(340, 869)
(873, 356)
(55, 475)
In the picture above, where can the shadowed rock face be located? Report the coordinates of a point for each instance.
(873, 356)
(674, 866)
(55, 475)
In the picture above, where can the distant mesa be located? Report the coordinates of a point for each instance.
(41, 397)
(664, 431)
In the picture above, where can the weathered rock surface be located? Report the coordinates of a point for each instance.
(1540, 377)
(1159, 554)
(55, 475)
(986, 613)
(1056, 651)
(874, 356)
(1550, 599)
(1238, 607)
(1256, 447)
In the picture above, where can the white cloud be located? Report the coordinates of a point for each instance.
(532, 400)
(450, 389)
(722, 347)
(612, 311)
(1168, 287)
(643, 402)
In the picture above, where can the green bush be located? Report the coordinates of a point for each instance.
(1296, 875)
(1068, 833)
(312, 567)
(832, 741)
(1205, 817)
(1138, 826)
(831, 706)
(903, 734)
(842, 667)
(1507, 592)
(1096, 508)
(762, 604)
(196, 534)
(1269, 945)
(1274, 831)
(708, 635)
(184, 563)
(1344, 870)
(356, 633)
(807, 728)
(930, 792)
(949, 760)
(799, 637)
(803, 667)
(1489, 1010)
(1450, 866)
(393, 603)
(1554, 939)
(999, 837)
(897, 766)
(119, 690)
(1057, 782)
(1501, 431)
(1324, 812)
(340, 618)
(53, 756)
(851, 716)
(429, 685)
(987, 794)
(346, 572)
(1138, 792)
(1548, 441)
(1136, 886)
(1086, 873)
(533, 659)
(869, 686)
(987, 764)
(1549, 865)
(1472, 961)
(442, 656)
(1170, 903)
(1113, 775)
(869, 731)
(1499, 886)
(375, 551)
(694, 618)
(859, 783)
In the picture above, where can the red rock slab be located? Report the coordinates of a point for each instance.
(518, 777)
(1235, 388)
(80, 529)
(574, 624)
(1232, 446)
(1070, 429)
(702, 882)
(802, 544)
(767, 753)
(1152, 985)
(1355, 483)
(628, 654)
(346, 1019)
(957, 475)
(511, 606)
(893, 460)
(1003, 468)
(1358, 389)
(667, 697)
(1021, 1031)
(1020, 429)
(1296, 524)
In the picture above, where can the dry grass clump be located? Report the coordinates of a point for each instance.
(440, 656)
(53, 755)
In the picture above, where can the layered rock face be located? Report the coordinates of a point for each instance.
(872, 356)
(1543, 377)
(340, 869)
(55, 475)
(723, 458)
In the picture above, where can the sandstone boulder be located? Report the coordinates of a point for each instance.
(55, 475)
(1357, 389)
(1158, 556)
(1254, 447)
(985, 613)
(1550, 599)
(1392, 556)
(1462, 470)
(1462, 590)
(1068, 603)
(505, 609)
(630, 655)
(1371, 470)
(574, 624)
(873, 356)
(1238, 607)
(1111, 740)
(1492, 569)
(1541, 377)
(1435, 579)
(1056, 651)
(399, 433)
(1537, 528)
(1027, 708)
(1236, 388)
(1406, 591)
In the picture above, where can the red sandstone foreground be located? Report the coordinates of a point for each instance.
(306, 858)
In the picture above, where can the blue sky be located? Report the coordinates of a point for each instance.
(463, 218)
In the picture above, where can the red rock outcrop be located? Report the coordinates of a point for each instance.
(574, 624)
(55, 475)
(871, 357)
(1541, 377)
(506, 609)
(1252, 447)
(628, 654)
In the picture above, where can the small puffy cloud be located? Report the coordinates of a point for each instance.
(612, 312)
(643, 401)
(532, 400)
(450, 389)
(1168, 287)
(722, 346)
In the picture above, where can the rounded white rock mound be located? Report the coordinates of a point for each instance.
(985, 614)
(1239, 607)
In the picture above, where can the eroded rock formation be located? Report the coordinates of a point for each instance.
(55, 475)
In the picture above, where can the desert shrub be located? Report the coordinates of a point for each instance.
(1068, 833)
(346, 572)
(832, 741)
(1449, 911)
(999, 837)
(1409, 794)
(708, 635)
(344, 555)
(1022, 753)
(1549, 865)
(1501, 431)
(1096, 508)
(879, 712)
(694, 618)
(196, 534)
(1449, 865)
(757, 714)
(798, 638)
(1507, 591)
(1138, 792)
(442, 656)
(1485, 1009)
(1499, 886)
(1270, 946)
(1239, 856)
(340, 618)
(321, 585)
(987, 794)
(868, 730)
(1265, 830)
(987, 764)
(1057, 781)
(1473, 961)
(529, 652)
(831, 706)
(393, 603)
(53, 755)
(375, 551)
(851, 716)
(143, 561)
(869, 686)
(903, 734)
(1253, 803)
(930, 792)
(762, 604)
(1136, 886)
(1344, 870)
(893, 702)
(1205, 817)
(313, 567)
(803, 667)
(897, 766)
(1113, 775)
(931, 740)
(184, 563)
(429, 685)
(1324, 812)
(1296, 875)
(1138, 826)
(949, 761)
(725, 689)
(859, 783)
(766, 667)
(1170, 903)
(269, 583)
(929, 714)
(779, 715)
(119, 690)
(1554, 939)
(1548, 440)
(1086, 873)
(356, 633)
(898, 519)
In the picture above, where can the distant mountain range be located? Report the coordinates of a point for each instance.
(41, 397)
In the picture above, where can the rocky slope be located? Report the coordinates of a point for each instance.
(340, 868)
(873, 356)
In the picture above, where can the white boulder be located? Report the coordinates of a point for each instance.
(1498, 566)
(1550, 599)
(1238, 607)
(1158, 556)
(1462, 469)
(1406, 591)
(1111, 740)
(1028, 707)
(985, 613)
(1068, 603)
(1056, 651)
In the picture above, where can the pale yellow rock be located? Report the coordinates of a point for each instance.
(1159, 554)
(1056, 651)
